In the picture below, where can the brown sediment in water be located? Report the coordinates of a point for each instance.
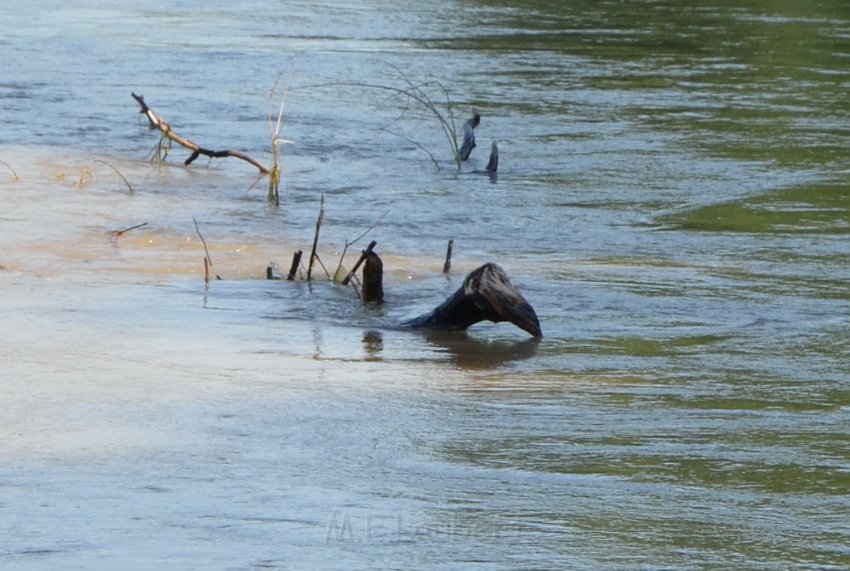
(61, 217)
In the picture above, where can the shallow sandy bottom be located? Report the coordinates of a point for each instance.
(142, 413)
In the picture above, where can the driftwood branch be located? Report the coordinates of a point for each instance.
(486, 295)
(469, 135)
(163, 126)
(493, 163)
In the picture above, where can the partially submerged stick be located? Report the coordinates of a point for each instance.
(448, 265)
(316, 238)
(493, 163)
(130, 186)
(118, 233)
(469, 135)
(208, 265)
(197, 150)
(296, 261)
(354, 241)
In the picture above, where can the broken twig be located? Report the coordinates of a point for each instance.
(448, 265)
(360, 237)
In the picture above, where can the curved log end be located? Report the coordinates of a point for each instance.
(494, 294)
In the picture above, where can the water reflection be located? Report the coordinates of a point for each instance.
(469, 352)
(373, 344)
(455, 347)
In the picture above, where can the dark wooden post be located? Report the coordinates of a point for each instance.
(373, 278)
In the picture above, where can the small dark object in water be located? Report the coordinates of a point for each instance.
(373, 278)
(486, 294)
(296, 261)
(469, 135)
(493, 163)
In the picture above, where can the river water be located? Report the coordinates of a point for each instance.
(672, 198)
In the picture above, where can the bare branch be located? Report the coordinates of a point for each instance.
(165, 129)
(363, 256)
(130, 186)
(208, 265)
(360, 237)
(8, 166)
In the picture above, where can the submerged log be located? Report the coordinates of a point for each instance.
(486, 295)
